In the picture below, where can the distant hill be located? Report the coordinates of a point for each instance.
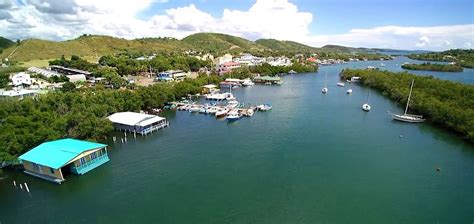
(4, 43)
(33, 49)
(288, 46)
(95, 46)
(216, 42)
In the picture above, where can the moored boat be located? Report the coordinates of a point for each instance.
(410, 118)
(340, 84)
(264, 107)
(233, 116)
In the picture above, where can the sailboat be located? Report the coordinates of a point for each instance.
(366, 106)
(349, 91)
(325, 89)
(408, 117)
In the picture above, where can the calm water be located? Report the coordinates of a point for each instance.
(313, 159)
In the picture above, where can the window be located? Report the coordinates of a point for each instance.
(83, 161)
(36, 166)
(93, 155)
(51, 170)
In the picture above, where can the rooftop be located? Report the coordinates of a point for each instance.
(56, 154)
(134, 119)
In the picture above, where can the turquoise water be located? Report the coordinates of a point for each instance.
(314, 158)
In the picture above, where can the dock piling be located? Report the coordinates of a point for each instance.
(27, 189)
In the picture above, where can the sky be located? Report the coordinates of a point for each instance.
(396, 24)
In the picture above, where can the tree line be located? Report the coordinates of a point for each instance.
(81, 114)
(445, 103)
(433, 67)
(465, 58)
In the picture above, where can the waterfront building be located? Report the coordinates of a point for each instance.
(268, 80)
(224, 59)
(45, 72)
(51, 160)
(209, 88)
(137, 122)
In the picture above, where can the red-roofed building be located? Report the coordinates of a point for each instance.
(227, 67)
(311, 59)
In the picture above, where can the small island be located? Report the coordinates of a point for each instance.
(434, 67)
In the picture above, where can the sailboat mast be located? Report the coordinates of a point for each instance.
(368, 93)
(326, 80)
(409, 96)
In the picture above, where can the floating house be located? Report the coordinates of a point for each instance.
(268, 80)
(51, 160)
(137, 122)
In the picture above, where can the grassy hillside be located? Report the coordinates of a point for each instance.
(91, 46)
(342, 49)
(4, 43)
(215, 42)
(291, 46)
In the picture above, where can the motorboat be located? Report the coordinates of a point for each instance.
(340, 84)
(247, 82)
(193, 109)
(349, 91)
(233, 116)
(212, 110)
(292, 72)
(405, 117)
(222, 112)
(264, 107)
(232, 103)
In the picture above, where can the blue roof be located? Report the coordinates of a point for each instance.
(56, 154)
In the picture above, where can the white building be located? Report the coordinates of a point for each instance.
(279, 61)
(19, 93)
(137, 122)
(20, 79)
(249, 60)
(224, 59)
(76, 78)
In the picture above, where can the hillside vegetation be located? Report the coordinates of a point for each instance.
(4, 43)
(433, 67)
(465, 58)
(95, 46)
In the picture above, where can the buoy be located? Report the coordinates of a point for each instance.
(14, 183)
(27, 189)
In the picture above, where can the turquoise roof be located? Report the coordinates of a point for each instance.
(56, 154)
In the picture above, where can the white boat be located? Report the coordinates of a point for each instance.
(202, 110)
(349, 91)
(325, 89)
(194, 109)
(250, 112)
(370, 67)
(264, 107)
(222, 112)
(212, 110)
(340, 84)
(247, 82)
(382, 65)
(366, 106)
(292, 72)
(233, 116)
(232, 103)
(410, 118)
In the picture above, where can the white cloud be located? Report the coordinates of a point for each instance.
(280, 19)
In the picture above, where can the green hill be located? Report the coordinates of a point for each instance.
(4, 43)
(342, 49)
(216, 42)
(288, 46)
(35, 49)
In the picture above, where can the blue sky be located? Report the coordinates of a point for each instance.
(401, 24)
(339, 16)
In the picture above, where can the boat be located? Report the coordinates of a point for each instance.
(203, 110)
(247, 82)
(382, 65)
(349, 91)
(264, 107)
(325, 89)
(212, 110)
(292, 72)
(366, 106)
(340, 84)
(194, 109)
(405, 117)
(370, 67)
(222, 112)
(233, 116)
(232, 103)
(249, 112)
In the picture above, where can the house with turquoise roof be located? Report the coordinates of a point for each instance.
(51, 160)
